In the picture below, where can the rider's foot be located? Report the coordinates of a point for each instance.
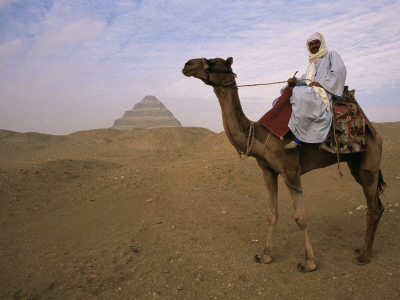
(293, 144)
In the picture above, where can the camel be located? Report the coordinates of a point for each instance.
(256, 141)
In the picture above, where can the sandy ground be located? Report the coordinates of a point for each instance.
(174, 214)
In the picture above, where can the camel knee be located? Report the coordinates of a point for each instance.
(301, 221)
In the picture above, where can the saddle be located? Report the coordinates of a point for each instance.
(349, 125)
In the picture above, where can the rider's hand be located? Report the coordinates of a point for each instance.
(314, 83)
(292, 82)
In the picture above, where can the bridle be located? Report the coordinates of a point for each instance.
(209, 70)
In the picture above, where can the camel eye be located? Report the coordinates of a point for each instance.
(211, 63)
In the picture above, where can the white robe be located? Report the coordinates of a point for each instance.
(311, 120)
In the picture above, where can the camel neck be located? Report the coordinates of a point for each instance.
(234, 120)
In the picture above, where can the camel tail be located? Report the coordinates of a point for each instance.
(381, 184)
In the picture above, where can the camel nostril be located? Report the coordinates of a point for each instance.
(188, 64)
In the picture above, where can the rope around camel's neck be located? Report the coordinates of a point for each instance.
(250, 142)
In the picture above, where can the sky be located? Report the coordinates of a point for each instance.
(68, 66)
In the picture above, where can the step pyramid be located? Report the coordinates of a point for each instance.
(149, 113)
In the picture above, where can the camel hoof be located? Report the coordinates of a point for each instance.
(360, 262)
(361, 258)
(307, 267)
(263, 259)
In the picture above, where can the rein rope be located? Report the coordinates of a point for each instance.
(269, 83)
(257, 84)
(209, 70)
(250, 141)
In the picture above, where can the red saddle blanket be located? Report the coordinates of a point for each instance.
(349, 120)
(277, 118)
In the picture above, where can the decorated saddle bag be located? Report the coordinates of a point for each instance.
(347, 133)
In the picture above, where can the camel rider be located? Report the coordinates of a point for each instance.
(311, 99)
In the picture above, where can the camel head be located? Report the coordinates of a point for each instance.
(216, 72)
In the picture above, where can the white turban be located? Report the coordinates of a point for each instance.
(315, 36)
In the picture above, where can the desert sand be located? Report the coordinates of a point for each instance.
(172, 213)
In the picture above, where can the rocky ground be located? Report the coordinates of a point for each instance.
(173, 213)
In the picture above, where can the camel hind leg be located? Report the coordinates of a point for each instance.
(366, 170)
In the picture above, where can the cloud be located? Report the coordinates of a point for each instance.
(8, 49)
(4, 3)
(74, 36)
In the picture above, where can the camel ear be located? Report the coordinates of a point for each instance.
(229, 61)
(205, 63)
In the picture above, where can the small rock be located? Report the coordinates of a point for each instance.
(361, 207)
(350, 290)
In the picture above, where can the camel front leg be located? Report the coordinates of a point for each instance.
(271, 182)
(296, 194)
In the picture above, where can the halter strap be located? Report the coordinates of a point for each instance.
(209, 70)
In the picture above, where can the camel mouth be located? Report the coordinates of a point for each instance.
(189, 69)
(186, 72)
